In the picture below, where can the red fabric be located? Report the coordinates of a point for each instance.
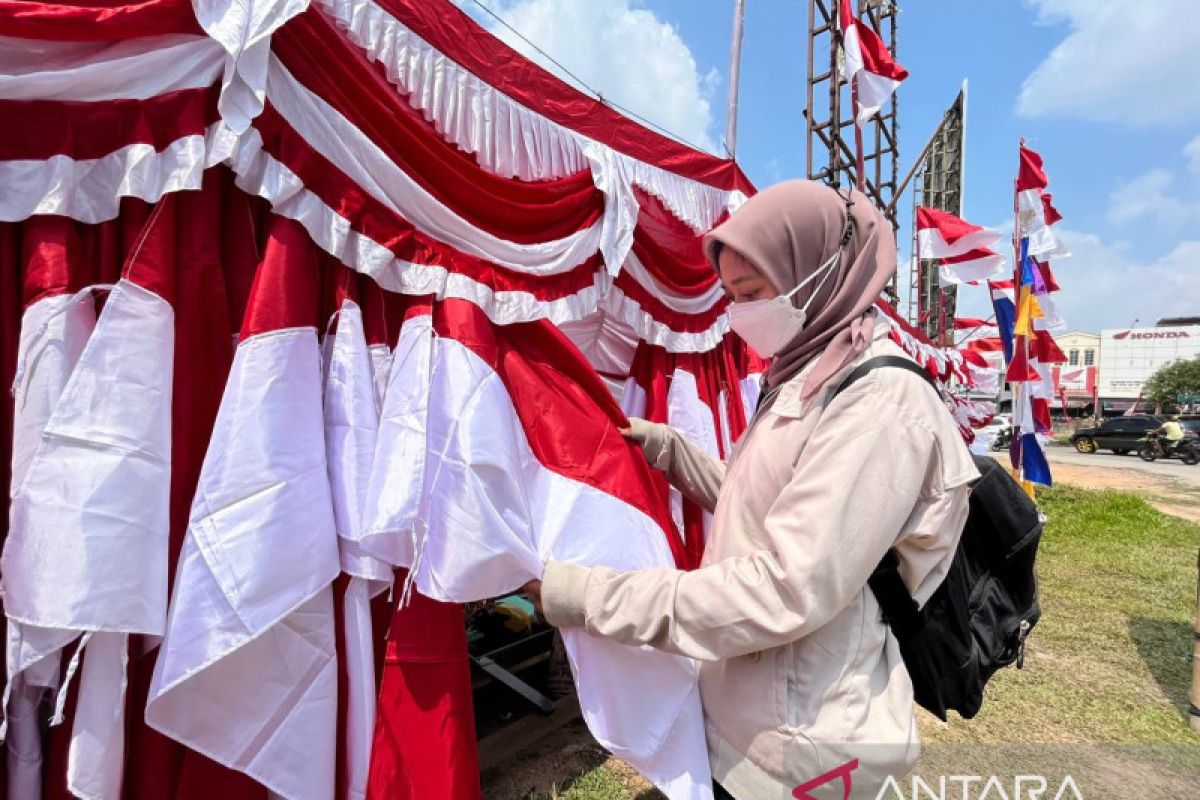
(1045, 349)
(1019, 369)
(876, 57)
(950, 227)
(424, 744)
(1047, 276)
(372, 219)
(320, 57)
(1030, 174)
(284, 294)
(567, 412)
(96, 20)
(461, 39)
(669, 249)
(1049, 212)
(90, 130)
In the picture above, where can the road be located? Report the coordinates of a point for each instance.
(1173, 469)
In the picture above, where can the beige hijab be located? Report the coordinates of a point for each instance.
(790, 229)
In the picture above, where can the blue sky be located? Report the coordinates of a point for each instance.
(1111, 104)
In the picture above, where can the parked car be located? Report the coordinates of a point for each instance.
(1119, 434)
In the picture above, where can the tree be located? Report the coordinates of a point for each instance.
(1172, 381)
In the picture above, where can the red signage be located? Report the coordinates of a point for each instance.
(1152, 335)
(1076, 381)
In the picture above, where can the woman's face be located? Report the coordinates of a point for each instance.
(741, 279)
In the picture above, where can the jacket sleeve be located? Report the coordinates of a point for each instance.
(688, 468)
(857, 482)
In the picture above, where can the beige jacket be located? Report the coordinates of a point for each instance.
(798, 672)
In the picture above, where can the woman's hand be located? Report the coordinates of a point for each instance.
(626, 432)
(534, 590)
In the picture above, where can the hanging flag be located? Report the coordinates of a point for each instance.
(247, 671)
(1035, 214)
(970, 267)
(940, 234)
(1004, 304)
(970, 329)
(867, 62)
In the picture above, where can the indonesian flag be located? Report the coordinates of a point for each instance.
(514, 457)
(942, 235)
(990, 344)
(970, 267)
(351, 429)
(970, 329)
(86, 557)
(247, 671)
(1035, 214)
(981, 375)
(868, 63)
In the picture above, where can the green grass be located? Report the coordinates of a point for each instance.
(1109, 664)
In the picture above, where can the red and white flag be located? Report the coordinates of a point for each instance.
(940, 234)
(1035, 214)
(969, 329)
(247, 671)
(868, 64)
(970, 267)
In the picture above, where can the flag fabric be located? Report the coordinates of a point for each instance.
(1034, 316)
(247, 672)
(970, 267)
(970, 329)
(1035, 214)
(1005, 307)
(867, 64)
(942, 235)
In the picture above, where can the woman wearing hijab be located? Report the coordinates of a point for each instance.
(799, 674)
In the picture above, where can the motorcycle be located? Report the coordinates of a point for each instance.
(1003, 440)
(1152, 446)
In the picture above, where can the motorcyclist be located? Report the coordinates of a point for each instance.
(1172, 433)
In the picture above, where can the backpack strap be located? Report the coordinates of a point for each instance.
(865, 368)
(900, 610)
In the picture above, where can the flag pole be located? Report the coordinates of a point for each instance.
(1015, 388)
(859, 163)
(735, 62)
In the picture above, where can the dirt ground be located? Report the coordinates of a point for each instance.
(1165, 494)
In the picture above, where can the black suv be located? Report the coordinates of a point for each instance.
(1119, 434)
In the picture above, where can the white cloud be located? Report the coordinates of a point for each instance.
(1152, 197)
(1191, 151)
(1109, 284)
(1121, 61)
(620, 49)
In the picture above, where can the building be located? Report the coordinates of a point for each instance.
(1075, 381)
(1129, 357)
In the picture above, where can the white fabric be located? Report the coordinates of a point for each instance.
(931, 243)
(349, 149)
(977, 269)
(751, 388)
(130, 69)
(82, 556)
(90, 190)
(82, 553)
(392, 509)
(247, 671)
(381, 363)
(351, 428)
(873, 90)
(508, 138)
(54, 331)
(243, 30)
(689, 415)
(1051, 319)
(495, 514)
(96, 754)
(1031, 222)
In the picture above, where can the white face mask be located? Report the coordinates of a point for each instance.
(768, 325)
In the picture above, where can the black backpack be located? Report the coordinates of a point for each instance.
(977, 620)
